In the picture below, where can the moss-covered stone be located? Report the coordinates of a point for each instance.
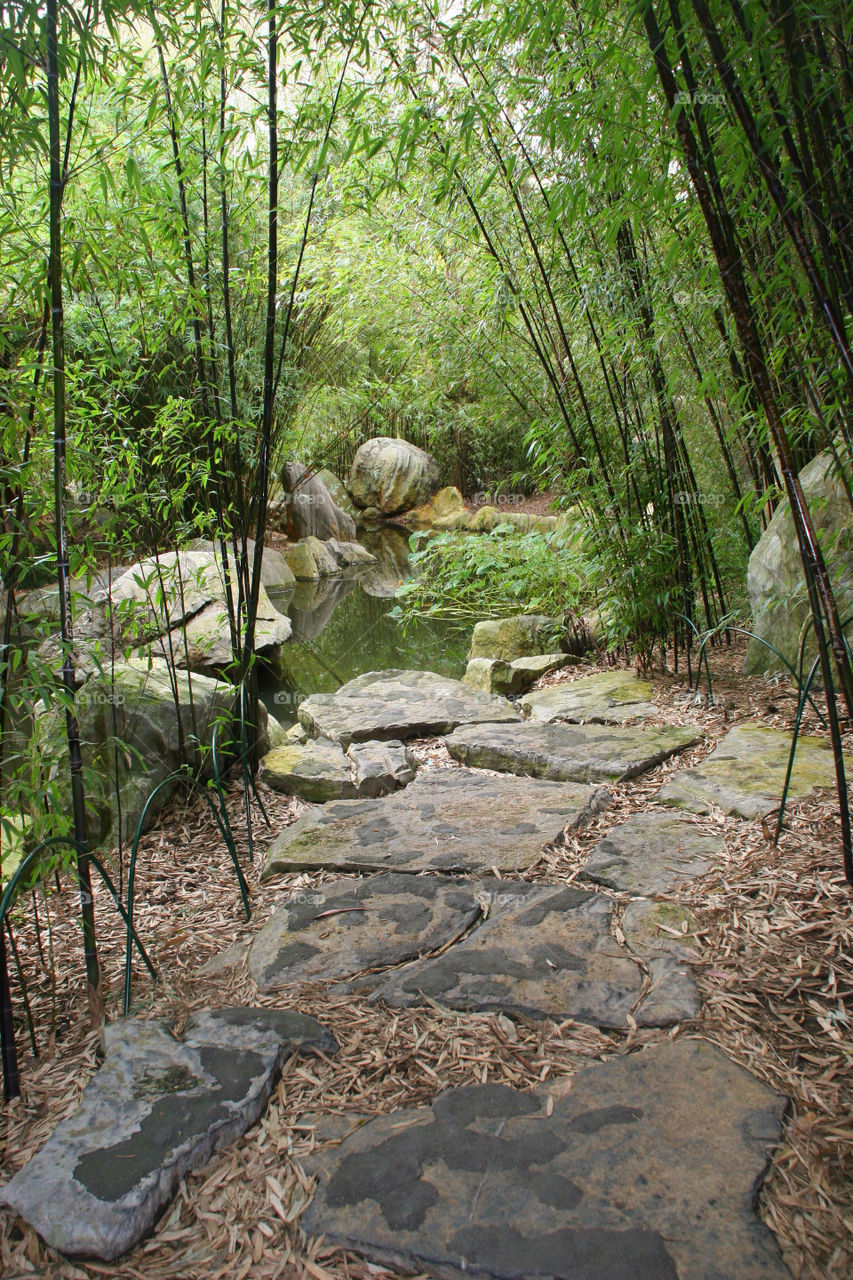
(519, 637)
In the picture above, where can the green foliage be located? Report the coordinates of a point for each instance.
(497, 575)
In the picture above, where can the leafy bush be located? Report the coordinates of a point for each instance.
(459, 574)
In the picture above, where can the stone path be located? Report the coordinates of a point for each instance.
(446, 820)
(611, 697)
(547, 952)
(645, 1170)
(158, 1107)
(574, 753)
(342, 928)
(399, 704)
(646, 1165)
(745, 774)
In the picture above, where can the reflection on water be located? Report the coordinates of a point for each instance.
(341, 629)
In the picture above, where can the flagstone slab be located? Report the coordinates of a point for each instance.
(316, 771)
(568, 752)
(340, 929)
(651, 852)
(545, 952)
(158, 1107)
(745, 774)
(399, 704)
(647, 1168)
(654, 929)
(446, 820)
(611, 697)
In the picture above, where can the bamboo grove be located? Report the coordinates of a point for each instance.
(603, 247)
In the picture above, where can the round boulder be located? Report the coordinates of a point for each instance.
(392, 475)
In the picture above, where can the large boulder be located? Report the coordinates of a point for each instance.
(444, 510)
(177, 603)
(307, 509)
(134, 737)
(392, 475)
(777, 588)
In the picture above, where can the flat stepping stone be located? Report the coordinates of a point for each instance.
(446, 820)
(157, 1108)
(611, 697)
(650, 853)
(564, 752)
(340, 929)
(647, 1169)
(399, 704)
(745, 774)
(317, 771)
(546, 952)
(654, 928)
(380, 767)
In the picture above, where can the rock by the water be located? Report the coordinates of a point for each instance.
(275, 572)
(444, 510)
(611, 697)
(745, 773)
(574, 753)
(446, 820)
(381, 767)
(399, 704)
(316, 771)
(646, 1169)
(137, 706)
(177, 604)
(337, 930)
(524, 636)
(392, 475)
(157, 1108)
(311, 559)
(307, 509)
(777, 589)
(495, 675)
(651, 852)
(545, 952)
(337, 491)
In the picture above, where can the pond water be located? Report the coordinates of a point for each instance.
(342, 628)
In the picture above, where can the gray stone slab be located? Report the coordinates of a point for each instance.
(654, 929)
(651, 852)
(446, 820)
(158, 1107)
(545, 952)
(611, 697)
(381, 767)
(340, 929)
(399, 704)
(745, 774)
(647, 1169)
(568, 752)
(317, 771)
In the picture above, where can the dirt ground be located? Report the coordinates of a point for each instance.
(774, 941)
